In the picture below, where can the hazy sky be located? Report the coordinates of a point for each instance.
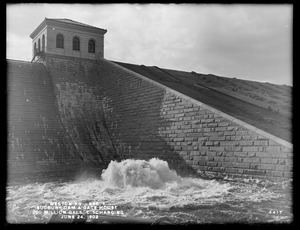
(252, 42)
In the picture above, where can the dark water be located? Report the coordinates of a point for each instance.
(151, 190)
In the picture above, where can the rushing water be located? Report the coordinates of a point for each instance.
(149, 189)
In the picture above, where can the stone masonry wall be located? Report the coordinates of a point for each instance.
(146, 119)
(218, 146)
(80, 110)
(106, 112)
(36, 140)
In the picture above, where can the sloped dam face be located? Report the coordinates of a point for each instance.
(90, 138)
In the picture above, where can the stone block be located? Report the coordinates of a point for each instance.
(239, 160)
(241, 133)
(218, 129)
(210, 134)
(289, 167)
(222, 124)
(233, 148)
(269, 161)
(177, 148)
(211, 154)
(207, 120)
(179, 139)
(288, 161)
(179, 115)
(251, 160)
(254, 172)
(216, 138)
(229, 133)
(241, 165)
(229, 143)
(201, 163)
(277, 174)
(206, 129)
(219, 169)
(250, 149)
(286, 149)
(208, 143)
(240, 154)
(202, 168)
(288, 174)
(230, 159)
(230, 170)
(219, 159)
(220, 149)
(266, 166)
(273, 143)
(203, 148)
(279, 155)
(265, 143)
(187, 148)
(251, 154)
(211, 164)
(273, 149)
(227, 164)
(188, 110)
(232, 128)
(263, 154)
(212, 125)
(245, 143)
(235, 138)
(195, 153)
(280, 168)
(254, 166)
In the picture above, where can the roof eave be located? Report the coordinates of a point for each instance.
(54, 22)
(39, 28)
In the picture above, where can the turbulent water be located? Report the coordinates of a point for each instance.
(150, 190)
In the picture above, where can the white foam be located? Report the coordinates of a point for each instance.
(154, 174)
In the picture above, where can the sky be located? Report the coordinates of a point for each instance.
(245, 41)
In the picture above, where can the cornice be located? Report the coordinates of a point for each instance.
(53, 23)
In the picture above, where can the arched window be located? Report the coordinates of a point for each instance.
(43, 42)
(39, 45)
(34, 51)
(59, 41)
(76, 43)
(91, 46)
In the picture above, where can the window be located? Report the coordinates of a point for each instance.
(34, 51)
(59, 41)
(76, 43)
(39, 45)
(91, 46)
(43, 42)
